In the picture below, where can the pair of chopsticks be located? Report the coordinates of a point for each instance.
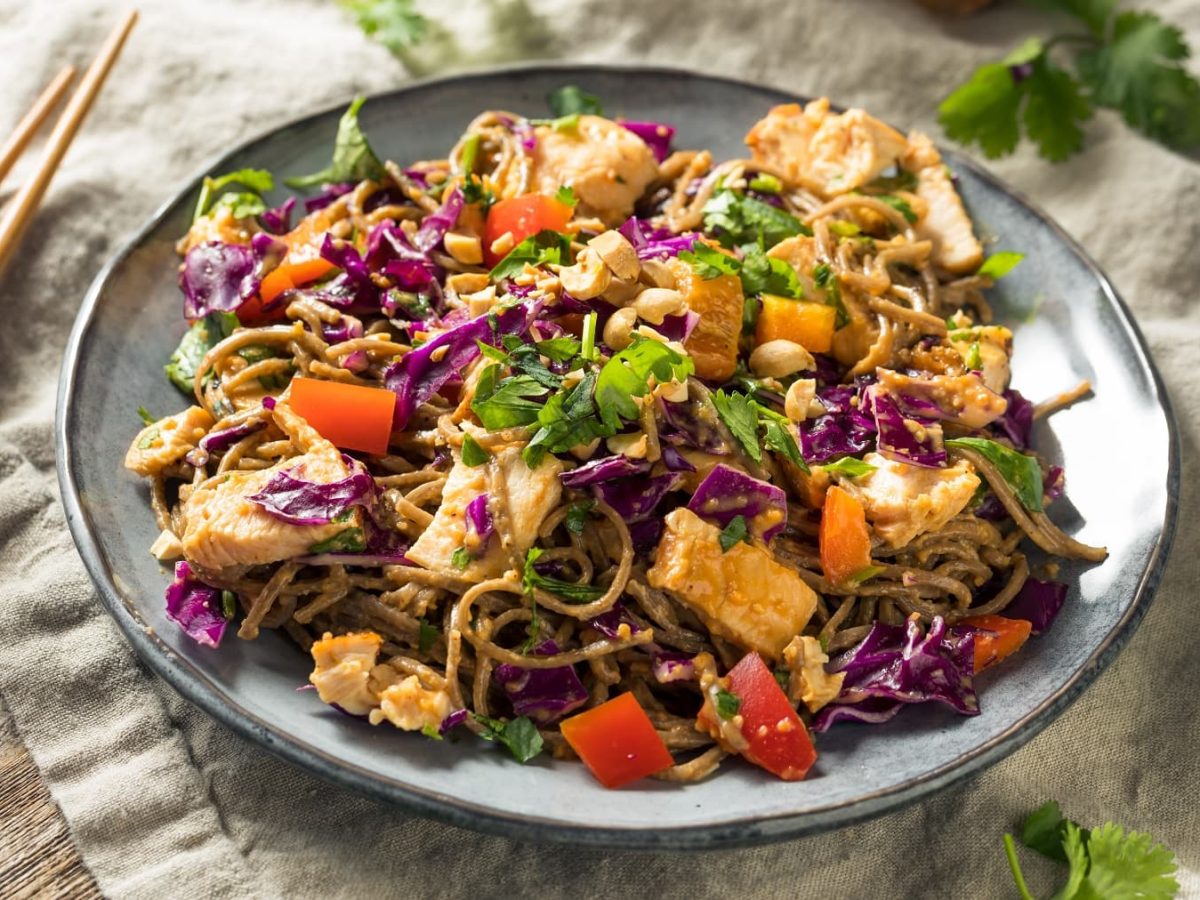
(20, 210)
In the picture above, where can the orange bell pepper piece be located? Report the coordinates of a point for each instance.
(808, 324)
(844, 541)
(349, 416)
(997, 637)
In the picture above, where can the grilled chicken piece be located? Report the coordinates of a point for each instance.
(973, 402)
(903, 501)
(945, 222)
(411, 706)
(531, 494)
(342, 670)
(742, 594)
(995, 348)
(167, 441)
(808, 682)
(224, 527)
(713, 344)
(829, 154)
(608, 166)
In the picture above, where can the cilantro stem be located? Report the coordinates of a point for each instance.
(1010, 850)
(202, 202)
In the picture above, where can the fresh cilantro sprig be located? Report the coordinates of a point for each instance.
(353, 158)
(1130, 61)
(543, 248)
(735, 532)
(242, 204)
(737, 220)
(394, 23)
(570, 100)
(1104, 862)
(570, 591)
(746, 418)
(519, 735)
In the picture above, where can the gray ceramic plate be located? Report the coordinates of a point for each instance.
(1070, 325)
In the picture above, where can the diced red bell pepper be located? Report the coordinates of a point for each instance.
(777, 739)
(997, 637)
(617, 741)
(349, 416)
(522, 217)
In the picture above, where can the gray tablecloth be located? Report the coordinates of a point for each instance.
(163, 801)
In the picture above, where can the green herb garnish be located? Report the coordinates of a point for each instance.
(1022, 473)
(737, 220)
(733, 533)
(197, 341)
(544, 248)
(570, 100)
(353, 158)
(519, 735)
(849, 467)
(349, 540)
(728, 704)
(567, 590)
(1000, 264)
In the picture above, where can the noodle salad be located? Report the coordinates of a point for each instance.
(589, 445)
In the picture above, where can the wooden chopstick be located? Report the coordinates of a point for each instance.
(20, 210)
(33, 120)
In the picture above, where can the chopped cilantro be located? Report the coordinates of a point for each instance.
(353, 158)
(627, 375)
(566, 195)
(733, 533)
(567, 420)
(567, 590)
(900, 205)
(559, 349)
(762, 274)
(204, 334)
(708, 262)
(739, 415)
(519, 735)
(348, 540)
(426, 636)
(1021, 472)
(570, 100)
(545, 247)
(826, 280)
(737, 220)
(432, 732)
(577, 515)
(504, 403)
(258, 180)
(728, 704)
(472, 454)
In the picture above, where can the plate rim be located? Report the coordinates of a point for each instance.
(185, 678)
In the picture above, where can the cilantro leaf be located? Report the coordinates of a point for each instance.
(1022, 472)
(1000, 264)
(728, 704)
(570, 591)
(567, 420)
(543, 248)
(348, 540)
(503, 403)
(762, 274)
(737, 219)
(1077, 859)
(1054, 111)
(570, 100)
(984, 111)
(241, 205)
(1128, 865)
(472, 454)
(519, 735)
(738, 413)
(353, 158)
(849, 467)
(778, 435)
(577, 515)
(1044, 831)
(731, 534)
(1139, 71)
(899, 204)
(394, 23)
(627, 375)
(708, 262)
(258, 180)
(426, 635)
(204, 334)
(559, 349)
(566, 195)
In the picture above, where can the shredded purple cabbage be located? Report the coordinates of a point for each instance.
(608, 623)
(453, 720)
(674, 460)
(846, 428)
(217, 277)
(678, 328)
(479, 524)
(544, 695)
(1039, 603)
(727, 492)
(195, 607)
(636, 497)
(908, 439)
(693, 423)
(900, 665)
(278, 220)
(299, 502)
(1017, 422)
(668, 667)
(656, 135)
(650, 242)
(420, 374)
(606, 468)
(329, 193)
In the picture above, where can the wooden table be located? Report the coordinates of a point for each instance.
(37, 856)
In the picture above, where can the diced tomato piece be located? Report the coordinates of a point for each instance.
(805, 323)
(997, 638)
(349, 416)
(617, 741)
(778, 740)
(844, 540)
(522, 217)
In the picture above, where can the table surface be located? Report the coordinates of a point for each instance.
(37, 856)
